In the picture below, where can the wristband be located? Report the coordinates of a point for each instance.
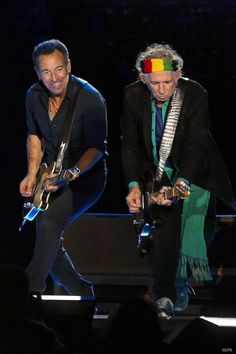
(133, 184)
(76, 170)
(74, 173)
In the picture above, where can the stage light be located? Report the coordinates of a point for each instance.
(221, 321)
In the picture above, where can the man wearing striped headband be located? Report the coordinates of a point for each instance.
(160, 75)
(174, 172)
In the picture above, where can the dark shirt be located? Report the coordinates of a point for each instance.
(89, 127)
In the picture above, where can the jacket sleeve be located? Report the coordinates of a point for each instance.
(192, 133)
(132, 151)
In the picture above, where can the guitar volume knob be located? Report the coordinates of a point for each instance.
(27, 205)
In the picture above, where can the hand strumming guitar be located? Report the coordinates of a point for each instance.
(26, 186)
(133, 199)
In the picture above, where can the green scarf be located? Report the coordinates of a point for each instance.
(193, 250)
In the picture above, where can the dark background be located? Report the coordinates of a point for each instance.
(104, 38)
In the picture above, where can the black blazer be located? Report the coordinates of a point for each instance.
(194, 152)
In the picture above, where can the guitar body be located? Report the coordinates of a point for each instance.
(149, 209)
(39, 201)
(40, 195)
(148, 219)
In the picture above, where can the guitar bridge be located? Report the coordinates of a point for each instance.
(27, 205)
(144, 229)
(144, 232)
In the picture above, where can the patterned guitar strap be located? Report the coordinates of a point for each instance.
(170, 127)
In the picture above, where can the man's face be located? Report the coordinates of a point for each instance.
(161, 84)
(54, 72)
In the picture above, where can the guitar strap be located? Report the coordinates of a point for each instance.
(170, 127)
(66, 132)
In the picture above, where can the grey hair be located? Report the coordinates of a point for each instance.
(161, 51)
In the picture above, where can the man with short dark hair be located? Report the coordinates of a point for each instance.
(80, 181)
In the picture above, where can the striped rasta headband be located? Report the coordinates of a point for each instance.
(153, 65)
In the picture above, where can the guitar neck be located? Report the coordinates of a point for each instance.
(54, 180)
(57, 179)
(64, 175)
(171, 193)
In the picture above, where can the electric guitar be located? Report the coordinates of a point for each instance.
(169, 193)
(39, 201)
(147, 219)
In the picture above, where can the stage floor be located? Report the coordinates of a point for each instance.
(212, 299)
(109, 260)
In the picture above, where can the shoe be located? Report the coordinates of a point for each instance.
(183, 289)
(165, 308)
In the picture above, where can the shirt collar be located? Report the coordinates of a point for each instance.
(165, 103)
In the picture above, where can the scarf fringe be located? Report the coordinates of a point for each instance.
(199, 268)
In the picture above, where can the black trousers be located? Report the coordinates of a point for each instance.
(166, 244)
(49, 255)
(165, 251)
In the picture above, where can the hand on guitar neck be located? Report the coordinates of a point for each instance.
(167, 195)
(161, 197)
(145, 220)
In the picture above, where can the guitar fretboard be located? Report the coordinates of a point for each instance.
(170, 193)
